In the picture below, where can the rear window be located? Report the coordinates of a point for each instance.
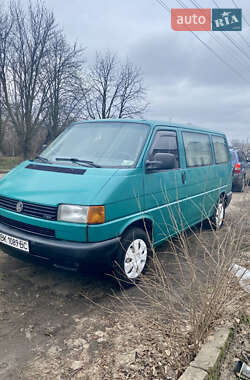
(220, 149)
(197, 149)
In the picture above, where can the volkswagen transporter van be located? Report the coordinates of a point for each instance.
(105, 191)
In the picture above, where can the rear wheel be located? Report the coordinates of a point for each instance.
(216, 221)
(133, 256)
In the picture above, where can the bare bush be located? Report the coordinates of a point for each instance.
(189, 289)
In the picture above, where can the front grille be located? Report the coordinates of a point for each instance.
(30, 209)
(35, 230)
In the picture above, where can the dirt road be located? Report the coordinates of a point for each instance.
(44, 314)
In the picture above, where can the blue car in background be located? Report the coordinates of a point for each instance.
(241, 169)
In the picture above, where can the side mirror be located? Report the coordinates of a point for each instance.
(162, 161)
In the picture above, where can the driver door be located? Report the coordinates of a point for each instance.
(163, 187)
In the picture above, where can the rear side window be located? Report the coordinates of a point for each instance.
(165, 142)
(197, 149)
(220, 149)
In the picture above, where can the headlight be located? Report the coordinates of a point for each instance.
(73, 213)
(81, 214)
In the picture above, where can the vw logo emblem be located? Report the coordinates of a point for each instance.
(19, 206)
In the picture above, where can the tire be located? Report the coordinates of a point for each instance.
(216, 221)
(132, 257)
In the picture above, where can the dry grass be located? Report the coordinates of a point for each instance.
(159, 325)
(183, 299)
(8, 163)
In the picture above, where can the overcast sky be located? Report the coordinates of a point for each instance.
(185, 82)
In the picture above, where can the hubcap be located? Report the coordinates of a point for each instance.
(135, 258)
(219, 214)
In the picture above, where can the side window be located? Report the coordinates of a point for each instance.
(165, 142)
(220, 149)
(197, 149)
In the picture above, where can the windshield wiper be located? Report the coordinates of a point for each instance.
(42, 159)
(78, 161)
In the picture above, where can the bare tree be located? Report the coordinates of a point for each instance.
(42, 84)
(2, 123)
(64, 71)
(24, 47)
(5, 30)
(115, 90)
(241, 144)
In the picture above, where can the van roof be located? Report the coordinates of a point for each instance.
(152, 124)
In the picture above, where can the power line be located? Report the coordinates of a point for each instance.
(244, 18)
(213, 35)
(181, 3)
(242, 37)
(212, 50)
(231, 39)
(166, 7)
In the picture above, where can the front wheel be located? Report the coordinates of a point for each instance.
(133, 256)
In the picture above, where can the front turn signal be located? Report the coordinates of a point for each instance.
(96, 215)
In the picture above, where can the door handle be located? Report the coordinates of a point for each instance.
(183, 177)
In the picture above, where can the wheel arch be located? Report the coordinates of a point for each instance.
(145, 223)
(224, 196)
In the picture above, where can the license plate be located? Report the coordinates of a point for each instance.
(23, 245)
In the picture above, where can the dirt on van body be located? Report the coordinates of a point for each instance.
(58, 325)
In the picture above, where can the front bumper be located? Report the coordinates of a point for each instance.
(63, 252)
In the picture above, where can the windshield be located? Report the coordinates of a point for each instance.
(100, 144)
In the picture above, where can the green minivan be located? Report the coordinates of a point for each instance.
(105, 191)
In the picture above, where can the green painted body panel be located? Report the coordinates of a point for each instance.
(51, 189)
(64, 231)
(129, 195)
